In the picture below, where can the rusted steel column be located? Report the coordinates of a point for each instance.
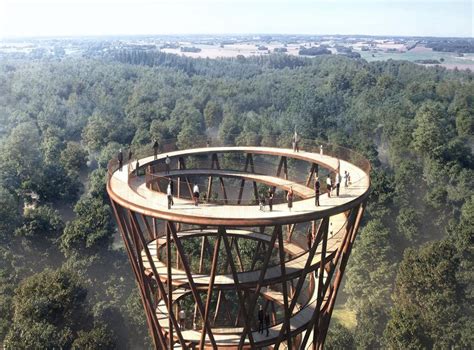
(163, 294)
(215, 257)
(124, 230)
(321, 291)
(340, 272)
(192, 286)
(253, 302)
(284, 287)
(239, 289)
(322, 230)
(169, 281)
(242, 182)
(312, 173)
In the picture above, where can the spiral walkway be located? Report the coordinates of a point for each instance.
(302, 282)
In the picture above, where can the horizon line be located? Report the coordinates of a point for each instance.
(226, 34)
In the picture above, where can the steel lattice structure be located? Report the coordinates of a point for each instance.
(288, 262)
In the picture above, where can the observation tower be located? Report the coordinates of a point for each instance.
(207, 273)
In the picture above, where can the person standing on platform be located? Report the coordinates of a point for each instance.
(338, 183)
(270, 199)
(182, 319)
(130, 154)
(289, 198)
(196, 194)
(155, 148)
(321, 149)
(260, 319)
(169, 194)
(137, 167)
(329, 185)
(167, 163)
(171, 182)
(120, 159)
(317, 191)
(267, 322)
(296, 142)
(346, 178)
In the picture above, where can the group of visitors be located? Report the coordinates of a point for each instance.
(120, 157)
(170, 193)
(268, 197)
(330, 186)
(263, 320)
(130, 154)
(155, 155)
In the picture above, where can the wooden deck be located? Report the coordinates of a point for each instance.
(136, 196)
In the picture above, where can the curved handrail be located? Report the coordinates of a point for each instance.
(310, 145)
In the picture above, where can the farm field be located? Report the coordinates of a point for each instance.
(451, 60)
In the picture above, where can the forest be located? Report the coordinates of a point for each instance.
(65, 280)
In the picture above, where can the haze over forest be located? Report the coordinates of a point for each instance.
(403, 100)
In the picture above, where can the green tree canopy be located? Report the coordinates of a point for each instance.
(9, 214)
(48, 310)
(428, 299)
(91, 230)
(429, 133)
(73, 157)
(40, 222)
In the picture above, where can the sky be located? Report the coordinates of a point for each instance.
(136, 17)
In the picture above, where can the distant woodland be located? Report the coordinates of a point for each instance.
(65, 284)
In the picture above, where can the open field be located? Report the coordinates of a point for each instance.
(233, 50)
(215, 46)
(451, 60)
(380, 53)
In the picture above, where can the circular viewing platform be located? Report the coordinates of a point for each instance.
(132, 191)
